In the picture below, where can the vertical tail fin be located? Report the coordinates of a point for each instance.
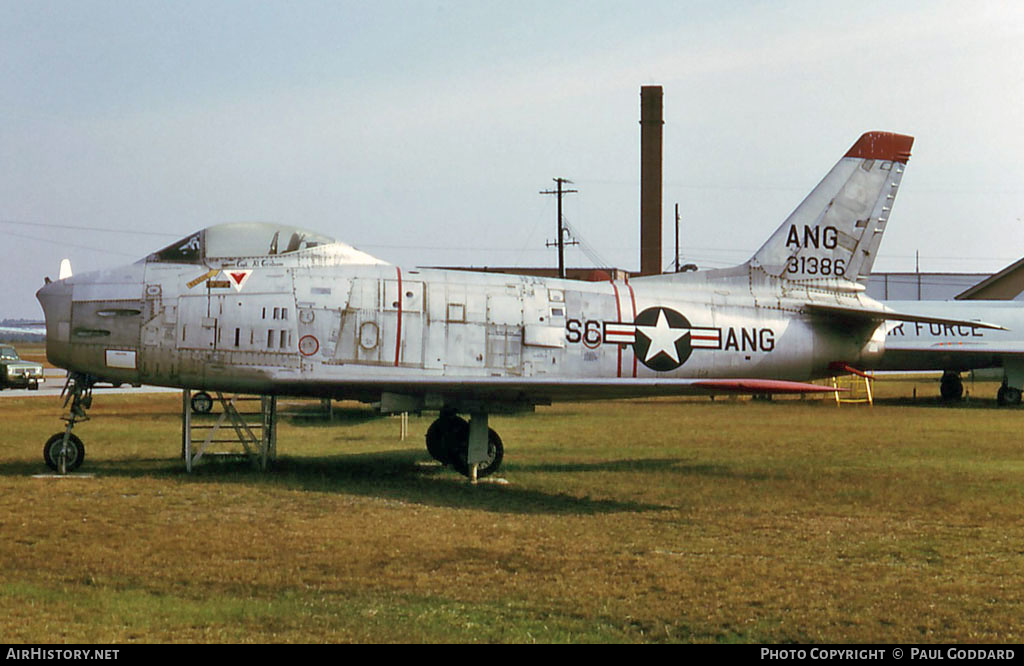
(835, 232)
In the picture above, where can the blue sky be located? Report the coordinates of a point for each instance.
(423, 131)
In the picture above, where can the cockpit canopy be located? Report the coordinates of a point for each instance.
(239, 239)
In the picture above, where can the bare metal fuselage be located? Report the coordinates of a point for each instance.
(290, 325)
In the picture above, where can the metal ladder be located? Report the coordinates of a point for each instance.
(255, 432)
(845, 389)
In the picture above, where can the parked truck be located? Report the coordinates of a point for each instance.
(18, 373)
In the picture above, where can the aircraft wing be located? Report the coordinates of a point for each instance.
(928, 355)
(869, 314)
(541, 391)
(1000, 347)
(956, 355)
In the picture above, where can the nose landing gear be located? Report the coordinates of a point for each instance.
(64, 451)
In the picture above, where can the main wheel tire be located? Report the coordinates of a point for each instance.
(446, 437)
(75, 452)
(951, 387)
(1008, 396)
(202, 403)
(495, 454)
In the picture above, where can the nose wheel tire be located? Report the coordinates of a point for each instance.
(75, 452)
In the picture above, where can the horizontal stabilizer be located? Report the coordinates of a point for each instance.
(868, 314)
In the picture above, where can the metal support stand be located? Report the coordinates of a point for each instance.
(255, 432)
(866, 399)
(268, 444)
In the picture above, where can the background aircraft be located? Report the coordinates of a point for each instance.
(266, 309)
(955, 349)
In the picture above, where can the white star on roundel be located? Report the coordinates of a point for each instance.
(663, 338)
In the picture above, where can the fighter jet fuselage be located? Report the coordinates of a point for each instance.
(292, 325)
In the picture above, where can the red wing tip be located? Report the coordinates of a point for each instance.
(764, 386)
(882, 146)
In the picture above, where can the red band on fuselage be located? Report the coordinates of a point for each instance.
(632, 299)
(618, 317)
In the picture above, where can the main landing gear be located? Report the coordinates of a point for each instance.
(471, 448)
(951, 387)
(64, 451)
(1008, 396)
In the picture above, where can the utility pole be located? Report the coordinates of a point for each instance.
(561, 242)
(677, 238)
(917, 270)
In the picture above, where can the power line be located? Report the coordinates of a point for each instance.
(588, 249)
(74, 245)
(68, 226)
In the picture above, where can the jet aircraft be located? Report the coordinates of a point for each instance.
(274, 310)
(956, 349)
(912, 346)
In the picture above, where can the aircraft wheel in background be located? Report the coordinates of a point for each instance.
(1008, 396)
(202, 403)
(951, 387)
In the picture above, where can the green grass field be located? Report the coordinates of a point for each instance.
(626, 521)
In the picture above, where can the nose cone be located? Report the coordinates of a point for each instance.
(55, 298)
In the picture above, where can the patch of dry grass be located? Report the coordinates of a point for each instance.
(633, 521)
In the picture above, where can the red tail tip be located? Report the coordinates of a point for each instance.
(882, 146)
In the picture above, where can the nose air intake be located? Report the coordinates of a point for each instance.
(93, 322)
(55, 298)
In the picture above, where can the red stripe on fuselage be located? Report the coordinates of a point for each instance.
(632, 299)
(618, 317)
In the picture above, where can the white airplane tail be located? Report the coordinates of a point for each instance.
(833, 235)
